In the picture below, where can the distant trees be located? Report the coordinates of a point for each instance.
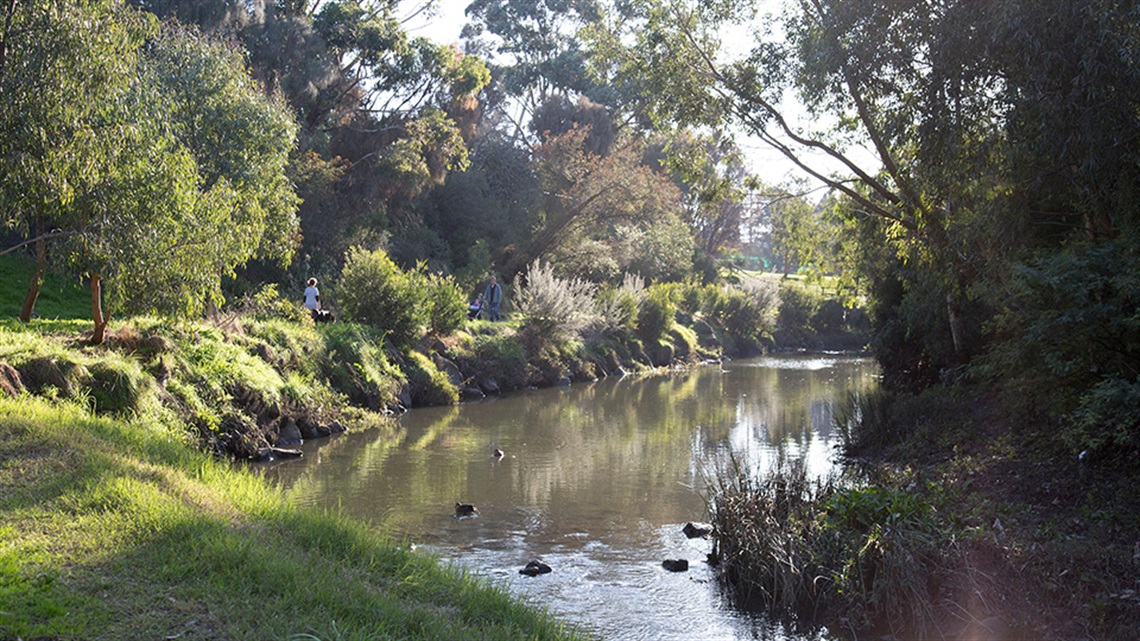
(606, 203)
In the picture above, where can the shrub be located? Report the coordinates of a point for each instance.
(746, 314)
(494, 356)
(798, 306)
(446, 304)
(356, 365)
(373, 291)
(1069, 339)
(553, 306)
(617, 308)
(655, 315)
(267, 303)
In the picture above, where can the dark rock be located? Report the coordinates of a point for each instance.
(323, 431)
(613, 363)
(695, 529)
(471, 393)
(535, 568)
(675, 565)
(563, 382)
(289, 434)
(309, 429)
(465, 509)
(490, 386)
(265, 353)
(450, 369)
(336, 428)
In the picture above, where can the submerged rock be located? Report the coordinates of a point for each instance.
(675, 565)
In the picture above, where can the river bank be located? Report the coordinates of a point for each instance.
(122, 529)
(959, 522)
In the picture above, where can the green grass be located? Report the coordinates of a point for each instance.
(59, 297)
(116, 529)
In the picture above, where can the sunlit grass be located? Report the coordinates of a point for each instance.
(59, 297)
(119, 530)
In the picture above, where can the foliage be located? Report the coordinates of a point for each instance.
(266, 303)
(488, 353)
(617, 308)
(446, 303)
(182, 179)
(656, 314)
(798, 306)
(1069, 336)
(747, 313)
(587, 196)
(374, 291)
(541, 56)
(354, 363)
(553, 306)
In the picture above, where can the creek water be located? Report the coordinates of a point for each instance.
(597, 480)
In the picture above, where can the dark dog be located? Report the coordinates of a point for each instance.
(323, 316)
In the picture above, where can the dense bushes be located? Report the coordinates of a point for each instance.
(1069, 342)
(374, 291)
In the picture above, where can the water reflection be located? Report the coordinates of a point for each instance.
(596, 480)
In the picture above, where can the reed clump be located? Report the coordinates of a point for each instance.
(858, 558)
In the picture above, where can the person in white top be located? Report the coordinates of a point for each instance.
(312, 296)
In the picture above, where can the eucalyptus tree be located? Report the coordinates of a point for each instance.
(171, 180)
(715, 183)
(537, 55)
(56, 74)
(601, 204)
(385, 115)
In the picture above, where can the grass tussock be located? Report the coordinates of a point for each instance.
(863, 559)
(119, 529)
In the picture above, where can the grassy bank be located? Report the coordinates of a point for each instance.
(957, 522)
(120, 529)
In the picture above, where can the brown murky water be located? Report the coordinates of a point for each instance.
(596, 480)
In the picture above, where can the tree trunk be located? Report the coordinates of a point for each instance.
(101, 321)
(954, 313)
(37, 281)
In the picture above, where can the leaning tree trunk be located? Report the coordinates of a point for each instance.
(37, 281)
(101, 320)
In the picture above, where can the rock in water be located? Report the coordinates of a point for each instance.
(675, 565)
(694, 530)
(534, 568)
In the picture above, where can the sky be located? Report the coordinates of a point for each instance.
(771, 166)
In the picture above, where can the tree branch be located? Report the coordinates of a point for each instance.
(48, 236)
